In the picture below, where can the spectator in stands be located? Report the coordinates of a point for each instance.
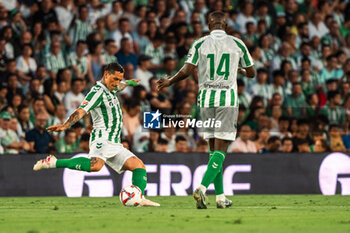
(125, 54)
(181, 144)
(54, 59)
(303, 132)
(26, 65)
(243, 144)
(202, 146)
(321, 146)
(169, 135)
(295, 103)
(162, 146)
(38, 138)
(277, 86)
(95, 61)
(9, 140)
(336, 142)
(68, 144)
(110, 50)
(302, 145)
(263, 136)
(140, 39)
(243, 96)
(312, 109)
(156, 51)
(74, 97)
(245, 16)
(330, 71)
(81, 27)
(316, 26)
(84, 144)
(24, 124)
(13, 87)
(142, 72)
(158, 100)
(287, 145)
(333, 110)
(46, 13)
(51, 101)
(78, 61)
(273, 145)
(169, 68)
(131, 118)
(123, 32)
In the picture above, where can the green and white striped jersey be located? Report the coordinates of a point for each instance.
(106, 113)
(218, 57)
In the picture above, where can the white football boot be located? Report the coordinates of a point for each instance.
(223, 204)
(48, 162)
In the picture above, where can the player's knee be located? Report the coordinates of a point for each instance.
(140, 164)
(96, 164)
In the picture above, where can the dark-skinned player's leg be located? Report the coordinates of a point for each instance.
(213, 169)
(218, 181)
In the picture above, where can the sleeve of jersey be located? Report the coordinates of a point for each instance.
(92, 100)
(193, 53)
(246, 59)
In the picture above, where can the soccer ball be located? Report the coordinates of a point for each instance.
(131, 196)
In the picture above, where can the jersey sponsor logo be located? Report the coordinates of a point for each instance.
(85, 103)
(98, 145)
(151, 120)
(110, 104)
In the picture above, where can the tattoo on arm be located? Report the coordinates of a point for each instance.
(93, 161)
(74, 118)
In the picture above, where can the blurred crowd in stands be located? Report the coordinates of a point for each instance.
(52, 52)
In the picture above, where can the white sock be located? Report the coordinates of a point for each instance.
(202, 188)
(220, 197)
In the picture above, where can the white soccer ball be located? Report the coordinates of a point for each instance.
(131, 196)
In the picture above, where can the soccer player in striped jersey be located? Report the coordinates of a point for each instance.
(105, 145)
(218, 57)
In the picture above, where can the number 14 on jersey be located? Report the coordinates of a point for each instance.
(223, 64)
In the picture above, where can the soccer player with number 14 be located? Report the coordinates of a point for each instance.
(218, 57)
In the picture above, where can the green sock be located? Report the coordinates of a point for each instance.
(139, 178)
(214, 167)
(80, 163)
(219, 180)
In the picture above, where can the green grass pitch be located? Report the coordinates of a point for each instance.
(249, 213)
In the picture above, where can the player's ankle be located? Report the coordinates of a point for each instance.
(220, 197)
(202, 188)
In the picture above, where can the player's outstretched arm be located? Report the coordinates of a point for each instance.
(183, 73)
(124, 84)
(76, 116)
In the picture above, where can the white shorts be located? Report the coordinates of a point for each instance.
(228, 118)
(114, 154)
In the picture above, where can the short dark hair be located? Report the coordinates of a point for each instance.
(331, 126)
(162, 141)
(273, 139)
(108, 41)
(332, 94)
(68, 131)
(112, 67)
(180, 138)
(286, 139)
(85, 137)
